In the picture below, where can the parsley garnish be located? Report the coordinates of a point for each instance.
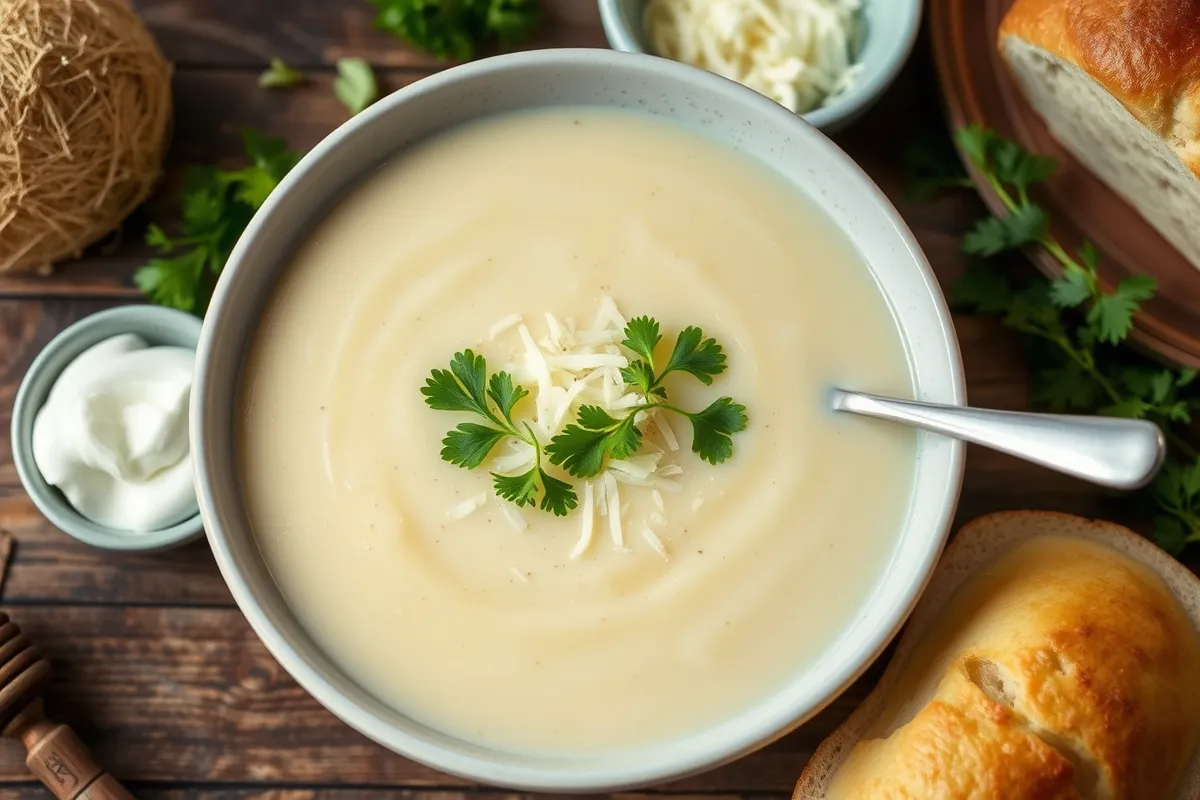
(216, 207)
(355, 85)
(466, 387)
(583, 446)
(280, 76)
(456, 28)
(1074, 326)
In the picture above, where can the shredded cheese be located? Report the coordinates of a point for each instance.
(511, 321)
(514, 517)
(614, 510)
(467, 507)
(588, 513)
(520, 575)
(655, 543)
(799, 53)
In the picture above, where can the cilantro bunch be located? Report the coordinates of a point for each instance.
(1075, 328)
(457, 28)
(217, 205)
(585, 446)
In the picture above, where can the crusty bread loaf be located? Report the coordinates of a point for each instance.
(1118, 84)
(1051, 657)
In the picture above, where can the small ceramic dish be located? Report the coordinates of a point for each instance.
(158, 326)
(891, 32)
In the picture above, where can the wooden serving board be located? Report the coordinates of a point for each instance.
(976, 88)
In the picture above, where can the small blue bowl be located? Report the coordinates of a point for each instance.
(158, 326)
(891, 32)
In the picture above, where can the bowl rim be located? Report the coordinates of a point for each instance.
(493, 767)
(847, 108)
(74, 339)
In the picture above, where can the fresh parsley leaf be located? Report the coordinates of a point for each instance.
(1089, 257)
(215, 208)
(280, 76)
(1073, 288)
(557, 496)
(355, 84)
(1130, 407)
(520, 490)
(1015, 165)
(1170, 534)
(976, 141)
(1068, 387)
(1111, 315)
(713, 429)
(461, 388)
(456, 28)
(931, 167)
(992, 235)
(642, 336)
(469, 444)
(639, 374)
(504, 394)
(701, 358)
(581, 447)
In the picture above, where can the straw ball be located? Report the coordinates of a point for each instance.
(85, 107)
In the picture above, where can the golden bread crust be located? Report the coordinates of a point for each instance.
(1065, 670)
(1146, 53)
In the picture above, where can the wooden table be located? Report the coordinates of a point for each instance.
(156, 668)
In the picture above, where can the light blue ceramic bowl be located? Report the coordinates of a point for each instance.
(891, 32)
(158, 326)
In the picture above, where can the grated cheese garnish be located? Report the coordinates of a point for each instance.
(799, 53)
(613, 494)
(520, 575)
(655, 543)
(467, 507)
(587, 512)
(511, 321)
(657, 496)
(514, 517)
(665, 431)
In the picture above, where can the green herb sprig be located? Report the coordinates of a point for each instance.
(1075, 328)
(466, 387)
(584, 447)
(279, 75)
(216, 207)
(355, 85)
(457, 28)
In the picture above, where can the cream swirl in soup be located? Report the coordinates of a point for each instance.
(491, 622)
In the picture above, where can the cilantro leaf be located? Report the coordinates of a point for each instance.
(504, 394)
(215, 208)
(641, 375)
(992, 235)
(699, 357)
(461, 388)
(469, 444)
(280, 76)
(642, 336)
(581, 447)
(1015, 165)
(557, 496)
(1170, 534)
(713, 429)
(355, 84)
(520, 490)
(1111, 315)
(1073, 288)
(976, 141)
(456, 28)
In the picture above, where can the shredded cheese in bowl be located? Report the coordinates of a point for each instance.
(799, 53)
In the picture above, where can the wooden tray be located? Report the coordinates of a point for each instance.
(976, 87)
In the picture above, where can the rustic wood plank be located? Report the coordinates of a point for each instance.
(158, 792)
(313, 33)
(212, 106)
(190, 695)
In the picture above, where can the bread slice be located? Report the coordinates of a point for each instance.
(973, 551)
(1118, 85)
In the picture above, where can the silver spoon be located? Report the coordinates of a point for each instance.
(1121, 453)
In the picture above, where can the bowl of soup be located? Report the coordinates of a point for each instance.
(512, 431)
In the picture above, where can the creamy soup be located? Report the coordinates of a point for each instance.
(501, 625)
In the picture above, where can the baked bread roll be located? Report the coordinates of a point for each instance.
(1118, 84)
(1061, 669)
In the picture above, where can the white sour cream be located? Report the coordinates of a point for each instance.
(113, 434)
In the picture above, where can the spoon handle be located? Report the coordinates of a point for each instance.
(1121, 453)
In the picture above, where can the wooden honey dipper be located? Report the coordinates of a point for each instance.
(55, 755)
